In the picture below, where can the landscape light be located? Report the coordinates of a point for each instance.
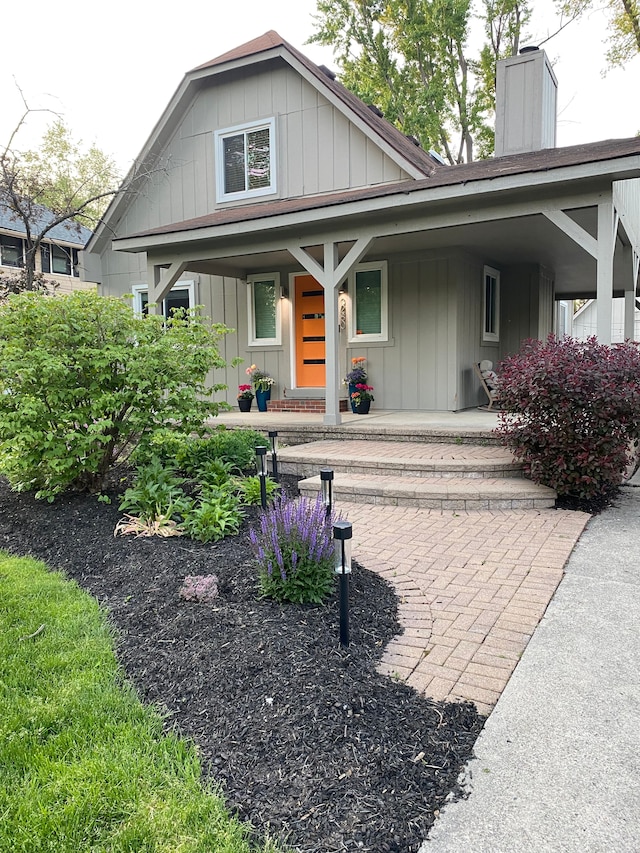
(326, 483)
(342, 535)
(273, 435)
(261, 453)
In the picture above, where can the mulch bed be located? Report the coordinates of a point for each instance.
(306, 740)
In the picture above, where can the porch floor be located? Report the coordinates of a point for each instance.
(394, 425)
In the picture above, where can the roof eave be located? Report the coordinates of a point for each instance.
(404, 199)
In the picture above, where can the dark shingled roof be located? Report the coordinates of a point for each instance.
(482, 170)
(415, 155)
(67, 232)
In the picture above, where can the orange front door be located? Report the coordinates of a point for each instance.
(309, 320)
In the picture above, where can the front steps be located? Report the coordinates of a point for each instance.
(431, 476)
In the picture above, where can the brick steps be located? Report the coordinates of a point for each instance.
(471, 493)
(433, 476)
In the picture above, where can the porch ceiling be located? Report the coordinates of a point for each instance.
(529, 239)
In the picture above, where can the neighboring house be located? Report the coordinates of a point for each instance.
(300, 217)
(585, 321)
(59, 258)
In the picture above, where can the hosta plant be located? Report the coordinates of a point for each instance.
(215, 515)
(157, 491)
(571, 410)
(250, 490)
(294, 551)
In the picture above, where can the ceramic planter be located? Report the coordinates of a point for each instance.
(245, 405)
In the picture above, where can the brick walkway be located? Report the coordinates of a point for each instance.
(472, 588)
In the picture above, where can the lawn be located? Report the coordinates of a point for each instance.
(85, 766)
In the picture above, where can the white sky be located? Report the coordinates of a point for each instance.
(110, 69)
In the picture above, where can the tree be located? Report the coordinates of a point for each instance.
(624, 25)
(410, 57)
(83, 380)
(56, 183)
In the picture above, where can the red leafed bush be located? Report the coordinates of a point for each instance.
(571, 410)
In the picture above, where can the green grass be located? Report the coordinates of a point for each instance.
(84, 766)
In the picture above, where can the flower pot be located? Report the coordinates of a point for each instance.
(261, 399)
(363, 407)
(245, 405)
(352, 390)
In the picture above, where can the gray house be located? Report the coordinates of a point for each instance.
(297, 215)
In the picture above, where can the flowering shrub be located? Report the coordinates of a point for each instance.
(261, 380)
(294, 551)
(202, 588)
(570, 412)
(358, 372)
(245, 392)
(362, 393)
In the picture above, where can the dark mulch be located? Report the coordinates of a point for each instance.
(308, 742)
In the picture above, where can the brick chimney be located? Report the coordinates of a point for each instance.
(526, 94)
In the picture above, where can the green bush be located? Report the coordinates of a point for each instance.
(571, 410)
(192, 455)
(215, 515)
(83, 380)
(157, 491)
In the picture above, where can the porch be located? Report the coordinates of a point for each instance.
(470, 426)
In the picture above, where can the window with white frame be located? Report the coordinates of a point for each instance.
(181, 295)
(263, 295)
(491, 305)
(245, 161)
(368, 319)
(11, 251)
(61, 260)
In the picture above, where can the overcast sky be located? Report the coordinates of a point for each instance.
(110, 69)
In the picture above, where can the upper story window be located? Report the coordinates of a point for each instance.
(60, 260)
(245, 161)
(181, 295)
(11, 251)
(491, 306)
(264, 309)
(369, 316)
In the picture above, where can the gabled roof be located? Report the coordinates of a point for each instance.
(66, 232)
(381, 127)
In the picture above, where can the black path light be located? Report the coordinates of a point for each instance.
(342, 535)
(261, 453)
(326, 482)
(273, 436)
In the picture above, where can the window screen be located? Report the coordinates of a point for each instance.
(264, 309)
(368, 302)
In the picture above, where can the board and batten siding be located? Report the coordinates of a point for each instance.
(417, 368)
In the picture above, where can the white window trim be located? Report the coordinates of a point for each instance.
(139, 289)
(220, 135)
(384, 308)
(253, 341)
(490, 337)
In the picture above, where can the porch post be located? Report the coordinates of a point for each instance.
(607, 227)
(629, 297)
(332, 381)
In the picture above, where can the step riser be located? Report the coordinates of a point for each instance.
(310, 469)
(391, 499)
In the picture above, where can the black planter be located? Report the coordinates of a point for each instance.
(245, 405)
(363, 407)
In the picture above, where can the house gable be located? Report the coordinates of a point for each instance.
(325, 139)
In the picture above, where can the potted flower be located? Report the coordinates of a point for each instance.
(262, 383)
(245, 398)
(357, 375)
(362, 398)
